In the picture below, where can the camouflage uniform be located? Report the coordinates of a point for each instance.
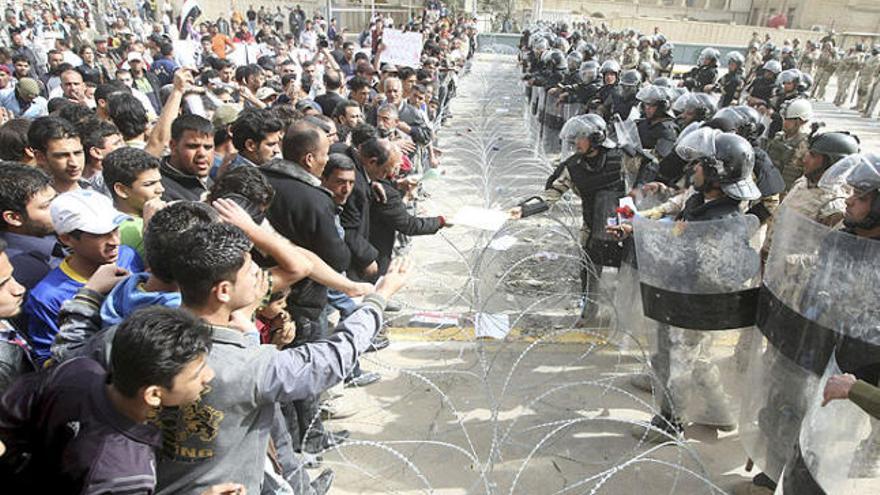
(866, 80)
(808, 61)
(752, 64)
(846, 72)
(648, 55)
(630, 59)
(786, 154)
(874, 95)
(825, 67)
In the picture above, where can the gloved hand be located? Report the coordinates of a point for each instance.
(653, 213)
(629, 149)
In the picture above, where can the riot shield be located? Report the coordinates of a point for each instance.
(570, 110)
(699, 275)
(791, 347)
(699, 282)
(627, 136)
(602, 248)
(838, 451)
(552, 124)
(527, 108)
(537, 102)
(830, 279)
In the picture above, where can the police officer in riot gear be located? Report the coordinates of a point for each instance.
(789, 84)
(593, 172)
(862, 216)
(610, 72)
(830, 318)
(722, 178)
(732, 83)
(665, 60)
(623, 99)
(587, 88)
(762, 89)
(553, 69)
(657, 127)
(703, 77)
(693, 107)
(657, 130)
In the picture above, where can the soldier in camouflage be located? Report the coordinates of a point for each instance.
(825, 67)
(808, 60)
(866, 79)
(630, 58)
(787, 148)
(847, 71)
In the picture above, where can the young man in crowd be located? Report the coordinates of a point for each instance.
(135, 184)
(58, 151)
(14, 145)
(88, 224)
(99, 138)
(185, 171)
(15, 357)
(333, 96)
(85, 430)
(256, 134)
(26, 224)
(304, 213)
(347, 115)
(250, 378)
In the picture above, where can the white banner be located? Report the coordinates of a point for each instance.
(401, 48)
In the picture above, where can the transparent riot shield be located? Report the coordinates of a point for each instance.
(552, 124)
(601, 247)
(838, 446)
(790, 347)
(838, 450)
(699, 275)
(527, 108)
(699, 282)
(537, 106)
(570, 110)
(627, 137)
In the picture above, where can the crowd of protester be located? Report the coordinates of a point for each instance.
(687, 144)
(194, 252)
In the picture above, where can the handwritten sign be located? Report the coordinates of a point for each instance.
(401, 48)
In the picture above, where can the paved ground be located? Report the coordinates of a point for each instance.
(549, 409)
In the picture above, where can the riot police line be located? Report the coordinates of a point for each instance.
(751, 233)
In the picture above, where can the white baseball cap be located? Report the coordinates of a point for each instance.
(85, 210)
(134, 55)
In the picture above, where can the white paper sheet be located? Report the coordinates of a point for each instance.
(480, 218)
(495, 326)
(503, 243)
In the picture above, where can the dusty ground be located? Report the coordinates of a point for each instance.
(453, 414)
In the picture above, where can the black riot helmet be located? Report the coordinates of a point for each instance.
(865, 179)
(630, 77)
(834, 145)
(861, 172)
(589, 51)
(656, 96)
(730, 162)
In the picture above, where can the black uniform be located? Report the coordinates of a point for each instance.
(730, 84)
(762, 88)
(698, 77)
(658, 135)
(597, 180)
